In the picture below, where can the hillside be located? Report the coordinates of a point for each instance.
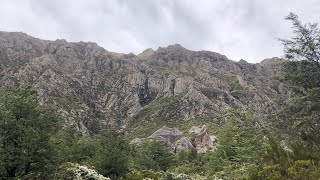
(94, 88)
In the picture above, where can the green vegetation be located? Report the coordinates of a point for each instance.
(153, 156)
(25, 132)
(153, 116)
(240, 142)
(111, 157)
(237, 90)
(34, 144)
(297, 156)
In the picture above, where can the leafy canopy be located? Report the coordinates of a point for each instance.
(25, 132)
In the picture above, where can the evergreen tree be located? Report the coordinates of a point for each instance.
(300, 117)
(302, 72)
(302, 53)
(240, 142)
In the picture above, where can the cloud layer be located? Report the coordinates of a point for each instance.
(242, 29)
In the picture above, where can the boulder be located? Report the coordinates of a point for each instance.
(173, 138)
(203, 141)
(183, 143)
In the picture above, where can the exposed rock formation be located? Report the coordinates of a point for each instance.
(94, 88)
(203, 141)
(173, 138)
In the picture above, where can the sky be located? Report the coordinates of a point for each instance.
(239, 29)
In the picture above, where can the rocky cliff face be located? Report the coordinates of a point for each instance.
(94, 88)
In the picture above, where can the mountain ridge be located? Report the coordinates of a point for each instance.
(94, 88)
(172, 46)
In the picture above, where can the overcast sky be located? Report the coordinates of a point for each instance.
(239, 29)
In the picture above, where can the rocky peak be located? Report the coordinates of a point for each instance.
(271, 61)
(94, 88)
(242, 61)
(174, 47)
(146, 54)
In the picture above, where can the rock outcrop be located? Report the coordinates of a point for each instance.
(176, 141)
(94, 88)
(173, 138)
(203, 141)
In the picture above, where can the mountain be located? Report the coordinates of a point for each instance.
(94, 88)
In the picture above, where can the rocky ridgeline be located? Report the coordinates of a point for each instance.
(94, 88)
(176, 142)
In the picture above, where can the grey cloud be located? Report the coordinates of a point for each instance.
(239, 29)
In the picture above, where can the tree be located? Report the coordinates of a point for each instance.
(74, 147)
(300, 117)
(112, 155)
(302, 53)
(25, 132)
(154, 155)
(240, 141)
(302, 73)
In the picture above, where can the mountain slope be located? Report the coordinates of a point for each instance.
(94, 88)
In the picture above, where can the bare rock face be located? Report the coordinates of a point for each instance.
(203, 141)
(94, 88)
(168, 135)
(183, 144)
(173, 138)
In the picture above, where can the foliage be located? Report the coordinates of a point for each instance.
(189, 162)
(298, 157)
(112, 155)
(304, 169)
(107, 152)
(303, 53)
(281, 163)
(76, 171)
(145, 174)
(302, 71)
(153, 155)
(74, 147)
(25, 132)
(239, 144)
(237, 90)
